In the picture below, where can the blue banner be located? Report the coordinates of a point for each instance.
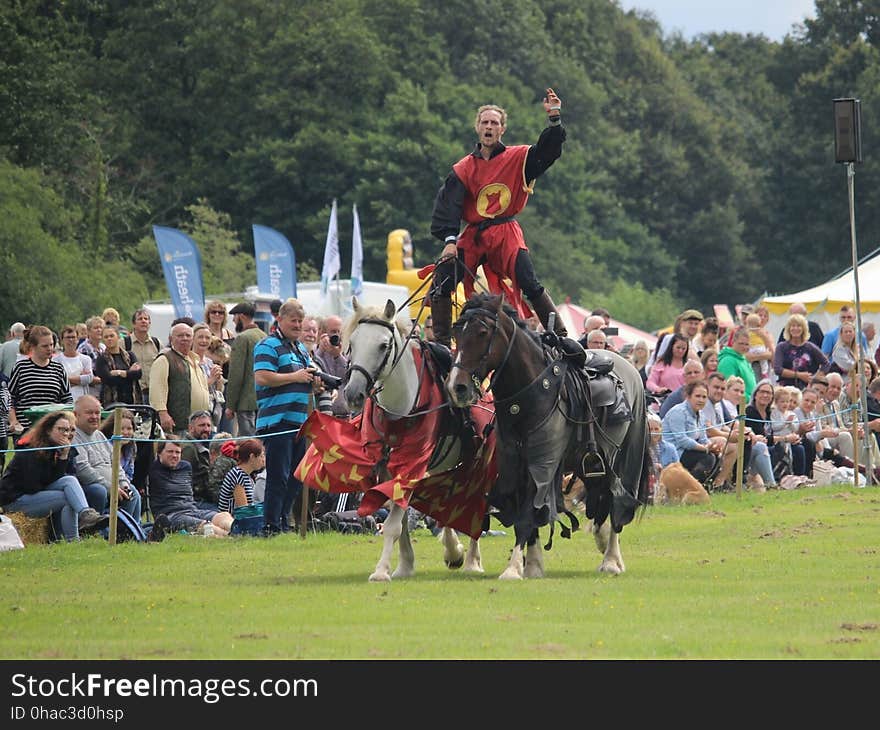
(182, 266)
(276, 263)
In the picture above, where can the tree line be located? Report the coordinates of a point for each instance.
(695, 171)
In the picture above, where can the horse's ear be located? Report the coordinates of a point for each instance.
(500, 303)
(355, 305)
(390, 310)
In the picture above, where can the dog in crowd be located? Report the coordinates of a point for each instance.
(678, 486)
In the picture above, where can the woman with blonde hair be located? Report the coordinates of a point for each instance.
(845, 355)
(215, 317)
(796, 360)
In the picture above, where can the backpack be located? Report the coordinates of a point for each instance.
(127, 528)
(126, 343)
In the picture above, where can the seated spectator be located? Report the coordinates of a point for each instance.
(805, 413)
(831, 425)
(221, 452)
(709, 361)
(667, 374)
(237, 489)
(757, 464)
(171, 493)
(846, 314)
(197, 452)
(684, 428)
(686, 324)
(786, 433)
(663, 453)
(128, 452)
(94, 457)
(850, 398)
(693, 371)
(41, 481)
(796, 360)
(119, 370)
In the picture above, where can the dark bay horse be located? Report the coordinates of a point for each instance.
(550, 422)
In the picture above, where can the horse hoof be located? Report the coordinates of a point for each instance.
(535, 573)
(510, 575)
(454, 564)
(610, 568)
(403, 573)
(380, 578)
(474, 569)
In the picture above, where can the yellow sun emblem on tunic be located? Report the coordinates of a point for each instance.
(493, 200)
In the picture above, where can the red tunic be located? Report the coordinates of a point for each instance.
(496, 188)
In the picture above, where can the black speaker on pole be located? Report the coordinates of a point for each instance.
(847, 130)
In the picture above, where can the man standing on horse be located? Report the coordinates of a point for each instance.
(486, 189)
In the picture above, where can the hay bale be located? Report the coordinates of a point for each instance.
(32, 530)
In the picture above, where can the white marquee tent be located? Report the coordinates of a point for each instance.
(823, 302)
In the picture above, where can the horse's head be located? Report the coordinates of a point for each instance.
(483, 335)
(374, 341)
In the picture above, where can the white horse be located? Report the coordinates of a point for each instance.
(382, 366)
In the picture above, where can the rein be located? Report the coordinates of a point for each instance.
(496, 327)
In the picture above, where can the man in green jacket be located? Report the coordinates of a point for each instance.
(241, 393)
(732, 360)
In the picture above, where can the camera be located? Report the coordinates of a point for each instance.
(331, 382)
(335, 340)
(610, 331)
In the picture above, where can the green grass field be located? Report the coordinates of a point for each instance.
(776, 575)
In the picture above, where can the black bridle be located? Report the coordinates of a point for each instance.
(474, 375)
(398, 351)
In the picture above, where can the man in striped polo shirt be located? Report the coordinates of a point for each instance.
(284, 377)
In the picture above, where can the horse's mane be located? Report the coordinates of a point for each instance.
(401, 321)
(489, 302)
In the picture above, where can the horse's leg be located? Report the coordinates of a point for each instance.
(600, 534)
(391, 529)
(534, 567)
(473, 562)
(453, 551)
(406, 565)
(514, 569)
(612, 561)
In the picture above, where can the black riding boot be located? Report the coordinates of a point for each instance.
(543, 306)
(441, 317)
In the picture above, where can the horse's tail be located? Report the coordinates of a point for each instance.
(648, 477)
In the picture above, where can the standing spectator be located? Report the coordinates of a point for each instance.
(686, 324)
(143, 346)
(796, 359)
(760, 353)
(197, 452)
(813, 333)
(41, 481)
(215, 313)
(237, 489)
(178, 385)
(845, 354)
(171, 494)
(92, 346)
(111, 319)
(202, 339)
(639, 358)
(329, 358)
(596, 340)
(5, 404)
(846, 314)
(9, 350)
(732, 360)
(77, 366)
(119, 370)
(707, 339)
(311, 328)
(241, 394)
(709, 361)
(869, 332)
(284, 379)
(93, 461)
(668, 371)
(592, 323)
(37, 380)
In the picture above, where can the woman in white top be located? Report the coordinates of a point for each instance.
(77, 365)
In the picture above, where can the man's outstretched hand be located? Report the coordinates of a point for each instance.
(552, 103)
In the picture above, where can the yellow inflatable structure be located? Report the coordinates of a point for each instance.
(402, 271)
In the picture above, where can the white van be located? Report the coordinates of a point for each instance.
(338, 302)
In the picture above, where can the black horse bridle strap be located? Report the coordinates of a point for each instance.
(371, 378)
